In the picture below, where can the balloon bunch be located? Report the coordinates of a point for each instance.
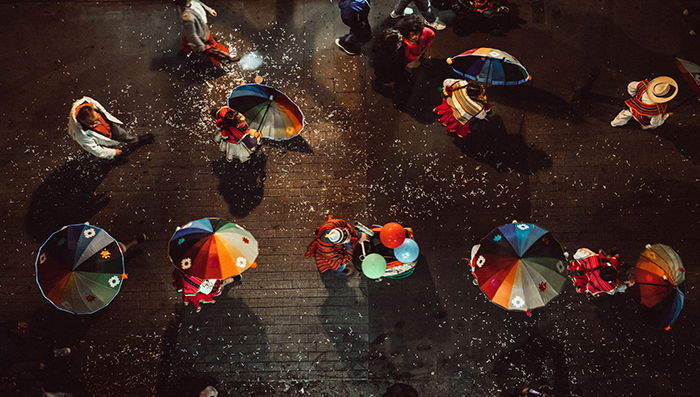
(392, 235)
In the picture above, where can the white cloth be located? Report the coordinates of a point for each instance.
(232, 150)
(207, 286)
(625, 115)
(92, 141)
(199, 9)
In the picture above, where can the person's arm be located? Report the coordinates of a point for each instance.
(210, 10)
(632, 88)
(658, 120)
(192, 39)
(102, 152)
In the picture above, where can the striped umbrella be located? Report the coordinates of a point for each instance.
(519, 266)
(80, 269)
(658, 273)
(213, 248)
(267, 110)
(490, 66)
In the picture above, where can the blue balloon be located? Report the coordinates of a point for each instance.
(408, 251)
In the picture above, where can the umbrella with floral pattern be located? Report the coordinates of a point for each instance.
(80, 268)
(520, 266)
(213, 248)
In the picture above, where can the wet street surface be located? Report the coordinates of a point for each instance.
(549, 156)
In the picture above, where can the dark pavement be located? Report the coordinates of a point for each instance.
(549, 157)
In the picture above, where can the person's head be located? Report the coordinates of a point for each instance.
(86, 114)
(411, 27)
(336, 236)
(391, 39)
(608, 273)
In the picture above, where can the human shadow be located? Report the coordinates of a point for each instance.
(535, 360)
(534, 100)
(224, 338)
(492, 145)
(241, 184)
(67, 196)
(191, 69)
(418, 93)
(60, 373)
(296, 144)
(347, 342)
(466, 23)
(409, 326)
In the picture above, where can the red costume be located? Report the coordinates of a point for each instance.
(330, 256)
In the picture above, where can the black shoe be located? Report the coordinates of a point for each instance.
(345, 49)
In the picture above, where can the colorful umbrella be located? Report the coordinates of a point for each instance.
(267, 110)
(213, 248)
(80, 268)
(691, 74)
(657, 274)
(519, 266)
(490, 66)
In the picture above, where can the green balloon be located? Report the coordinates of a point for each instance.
(373, 266)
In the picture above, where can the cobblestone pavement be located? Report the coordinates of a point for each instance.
(549, 157)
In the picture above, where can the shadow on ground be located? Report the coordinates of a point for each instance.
(67, 196)
(241, 184)
(493, 145)
(407, 334)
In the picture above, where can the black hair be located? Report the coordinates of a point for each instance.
(474, 90)
(83, 113)
(410, 24)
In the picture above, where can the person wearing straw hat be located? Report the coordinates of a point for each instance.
(648, 103)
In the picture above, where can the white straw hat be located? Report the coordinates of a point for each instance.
(662, 89)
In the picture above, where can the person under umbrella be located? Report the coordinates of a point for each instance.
(648, 103)
(235, 138)
(597, 273)
(463, 106)
(198, 37)
(197, 291)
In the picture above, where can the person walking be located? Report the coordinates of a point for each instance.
(98, 131)
(388, 62)
(333, 245)
(463, 106)
(354, 14)
(648, 103)
(197, 291)
(198, 36)
(424, 7)
(235, 138)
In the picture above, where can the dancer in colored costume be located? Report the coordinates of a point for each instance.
(98, 131)
(464, 106)
(198, 37)
(648, 103)
(235, 138)
(333, 245)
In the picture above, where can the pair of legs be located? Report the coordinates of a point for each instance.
(360, 33)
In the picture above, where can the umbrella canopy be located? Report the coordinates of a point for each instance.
(80, 268)
(213, 248)
(519, 266)
(657, 274)
(490, 66)
(267, 110)
(691, 74)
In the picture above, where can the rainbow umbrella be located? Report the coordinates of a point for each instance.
(520, 266)
(490, 66)
(213, 248)
(80, 269)
(267, 110)
(658, 273)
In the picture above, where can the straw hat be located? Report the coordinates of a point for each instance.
(662, 89)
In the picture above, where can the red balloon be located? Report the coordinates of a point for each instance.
(392, 235)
